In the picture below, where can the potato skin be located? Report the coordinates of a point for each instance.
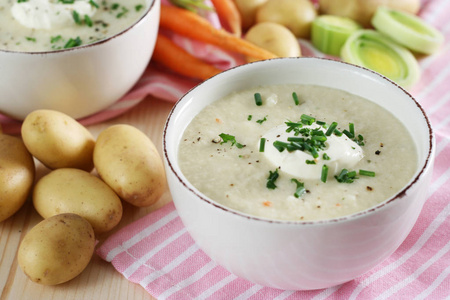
(128, 161)
(362, 11)
(69, 190)
(57, 249)
(296, 15)
(57, 140)
(17, 173)
(275, 38)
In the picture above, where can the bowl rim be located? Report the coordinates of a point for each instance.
(99, 42)
(400, 194)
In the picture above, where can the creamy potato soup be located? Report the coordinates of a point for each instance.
(46, 25)
(297, 152)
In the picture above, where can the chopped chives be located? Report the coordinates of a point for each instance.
(346, 177)
(300, 189)
(54, 39)
(337, 132)
(321, 123)
(280, 145)
(76, 17)
(319, 138)
(258, 99)
(325, 156)
(88, 21)
(308, 120)
(295, 139)
(93, 3)
(262, 120)
(331, 129)
(348, 134)
(273, 176)
(310, 162)
(249, 118)
(367, 173)
(324, 175)
(295, 97)
(230, 138)
(262, 144)
(351, 127)
(73, 43)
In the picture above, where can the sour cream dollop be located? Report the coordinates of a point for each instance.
(343, 153)
(44, 14)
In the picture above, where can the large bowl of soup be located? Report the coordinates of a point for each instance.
(77, 57)
(298, 173)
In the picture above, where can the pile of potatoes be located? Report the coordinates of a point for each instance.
(76, 204)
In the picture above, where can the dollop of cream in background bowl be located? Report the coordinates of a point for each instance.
(79, 80)
(300, 255)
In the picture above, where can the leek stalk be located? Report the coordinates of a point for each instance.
(329, 33)
(373, 50)
(407, 30)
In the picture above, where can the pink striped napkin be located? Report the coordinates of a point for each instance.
(158, 253)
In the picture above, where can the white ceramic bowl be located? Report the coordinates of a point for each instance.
(78, 81)
(300, 255)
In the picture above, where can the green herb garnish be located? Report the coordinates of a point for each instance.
(367, 173)
(73, 43)
(139, 7)
(230, 138)
(88, 21)
(273, 176)
(262, 144)
(307, 120)
(31, 39)
(55, 39)
(325, 157)
(258, 99)
(300, 189)
(249, 118)
(295, 97)
(122, 13)
(262, 120)
(93, 3)
(76, 17)
(331, 129)
(346, 177)
(324, 174)
(310, 162)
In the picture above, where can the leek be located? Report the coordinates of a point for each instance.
(407, 30)
(329, 33)
(373, 50)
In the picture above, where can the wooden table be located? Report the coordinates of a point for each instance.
(99, 280)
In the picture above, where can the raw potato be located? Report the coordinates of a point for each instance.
(57, 249)
(247, 9)
(128, 161)
(362, 10)
(57, 140)
(274, 37)
(296, 15)
(17, 173)
(77, 191)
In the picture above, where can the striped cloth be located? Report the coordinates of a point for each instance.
(158, 253)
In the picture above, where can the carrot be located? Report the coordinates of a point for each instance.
(229, 16)
(191, 25)
(170, 55)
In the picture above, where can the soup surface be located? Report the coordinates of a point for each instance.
(297, 152)
(46, 25)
